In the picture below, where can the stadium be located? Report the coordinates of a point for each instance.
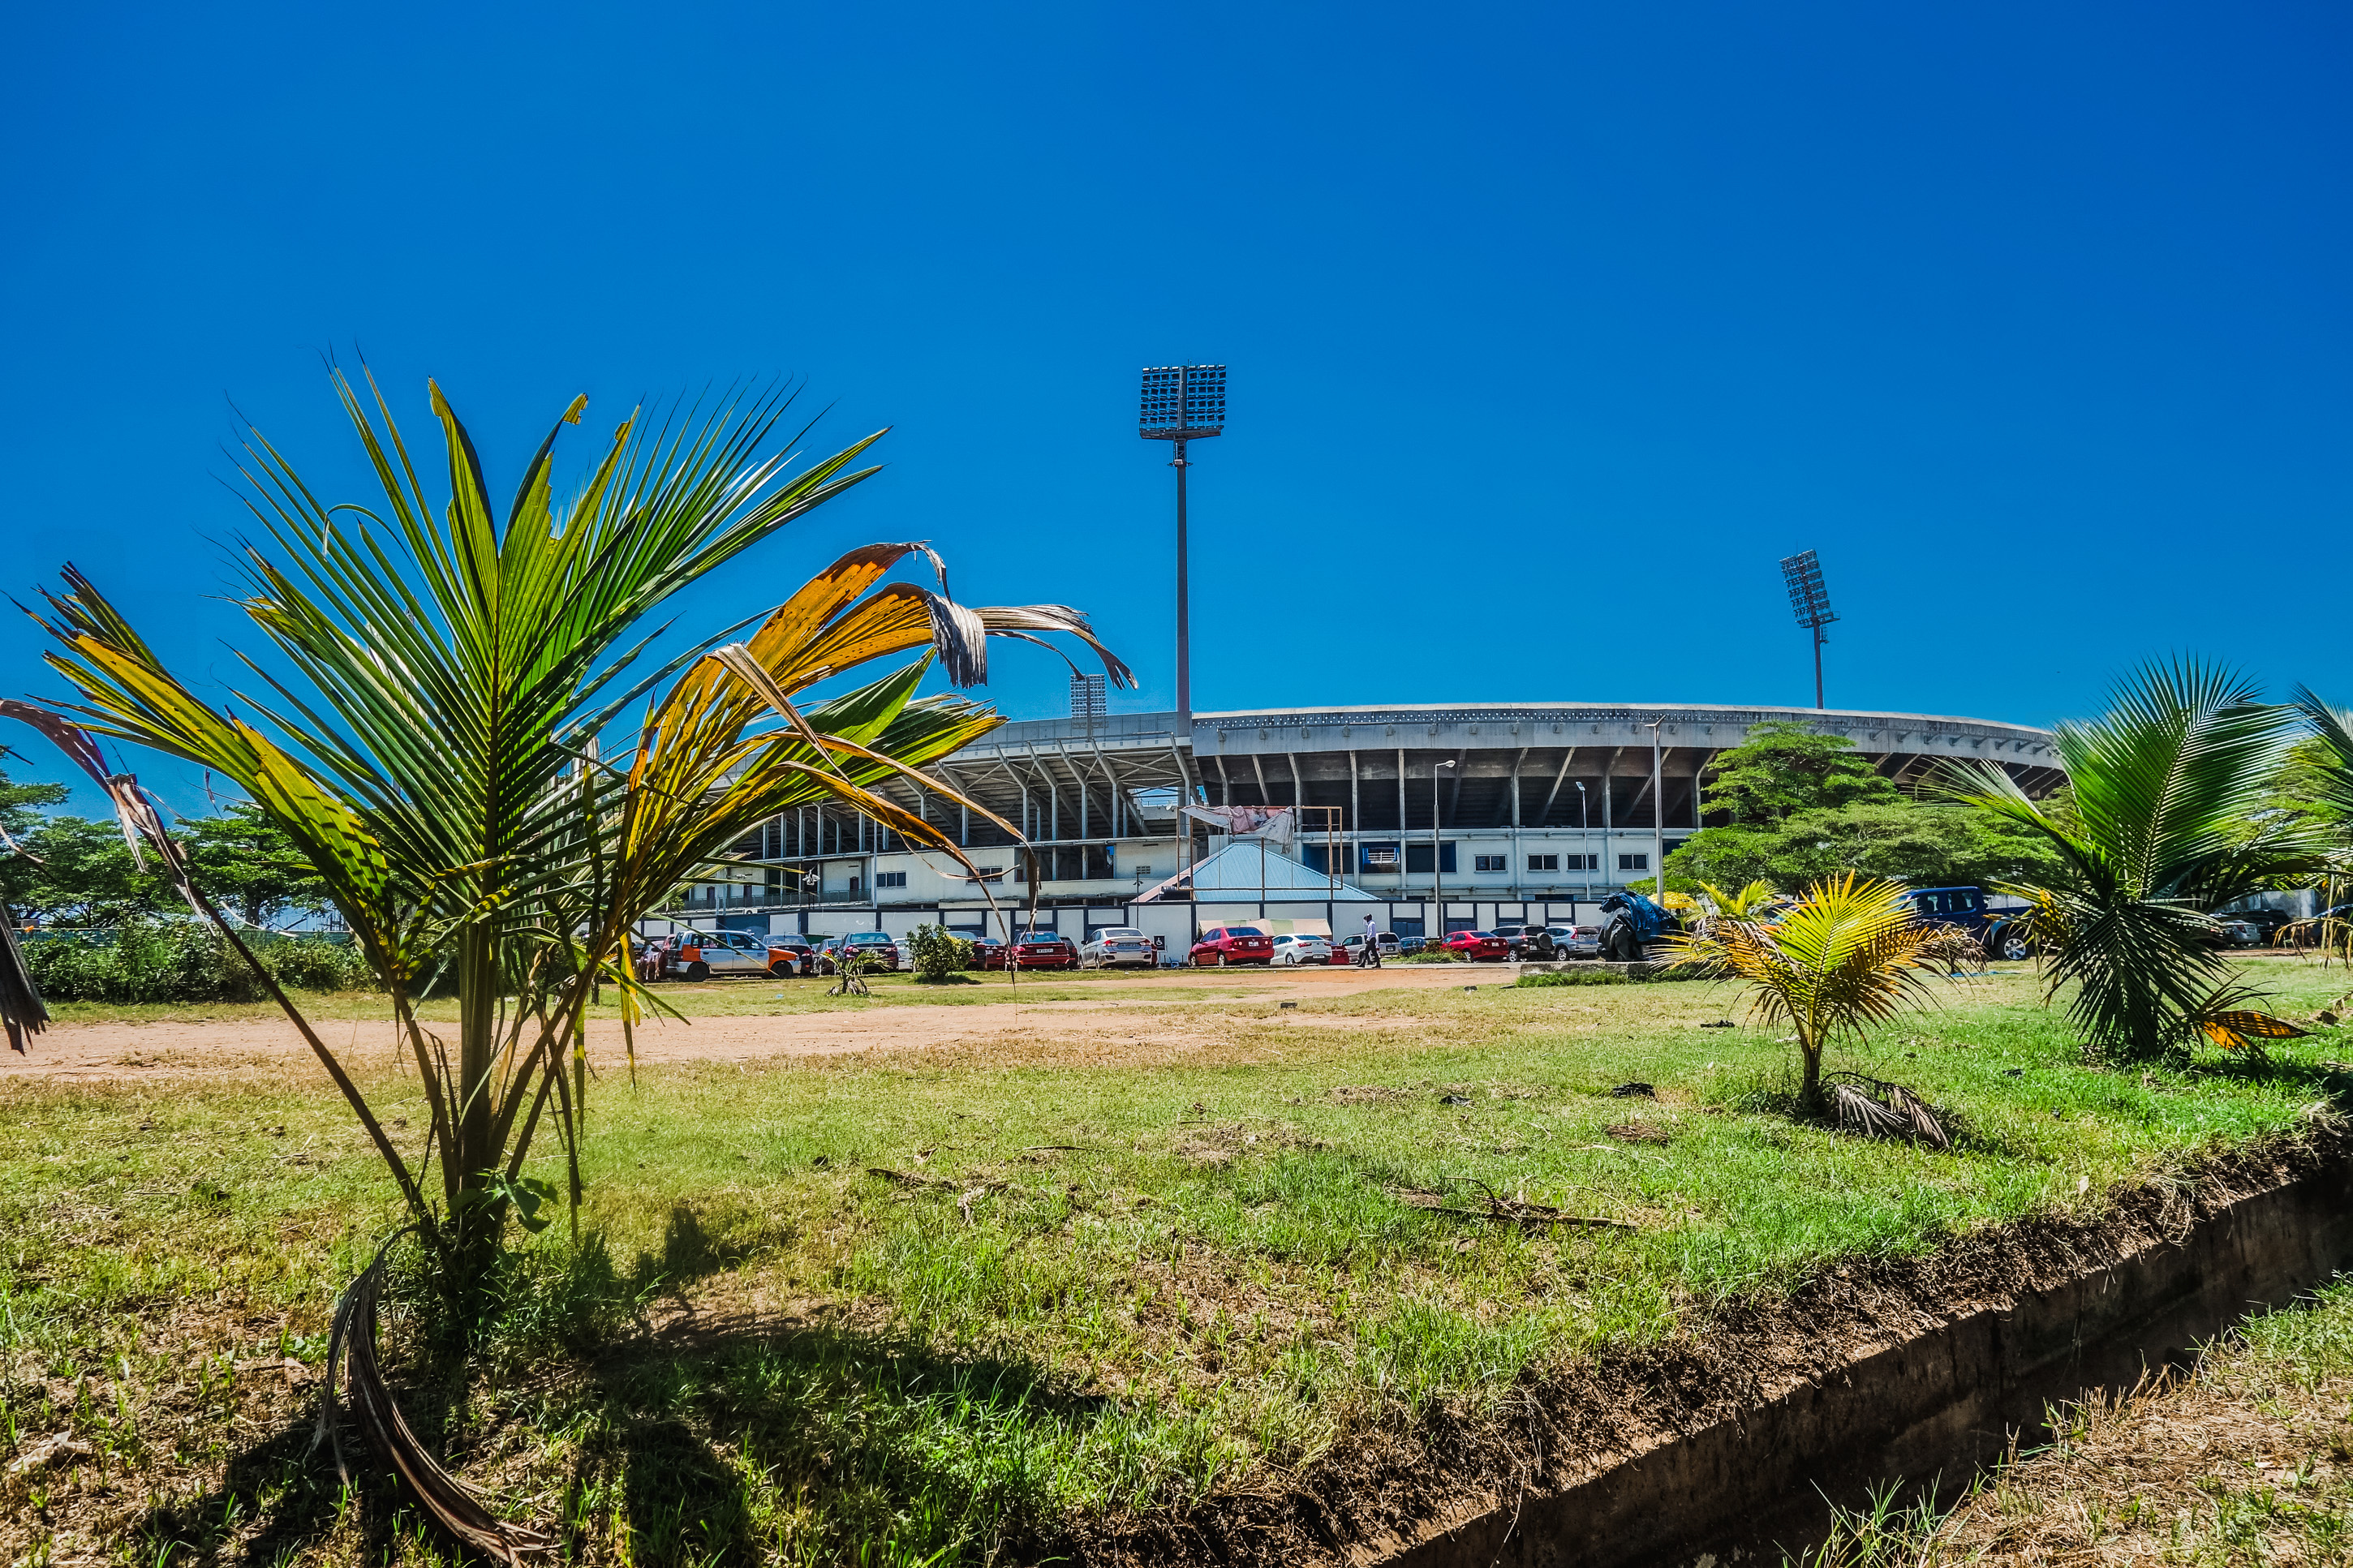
(1428, 818)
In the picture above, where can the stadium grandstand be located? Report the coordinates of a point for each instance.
(1428, 819)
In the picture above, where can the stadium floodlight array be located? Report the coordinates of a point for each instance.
(1182, 403)
(1811, 601)
(1087, 700)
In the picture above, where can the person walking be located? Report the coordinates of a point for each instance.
(1371, 957)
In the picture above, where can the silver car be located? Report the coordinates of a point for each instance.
(1576, 941)
(1116, 947)
(1300, 949)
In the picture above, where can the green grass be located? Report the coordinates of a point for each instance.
(1132, 1276)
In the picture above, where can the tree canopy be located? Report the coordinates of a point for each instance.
(1784, 767)
(1806, 808)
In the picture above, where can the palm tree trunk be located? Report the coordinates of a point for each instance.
(1809, 1093)
(474, 1224)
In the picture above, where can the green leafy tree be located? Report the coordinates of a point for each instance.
(20, 816)
(85, 875)
(247, 860)
(1924, 845)
(1784, 767)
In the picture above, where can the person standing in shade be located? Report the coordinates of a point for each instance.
(1372, 958)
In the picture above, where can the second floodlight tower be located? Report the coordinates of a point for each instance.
(1811, 601)
(1183, 403)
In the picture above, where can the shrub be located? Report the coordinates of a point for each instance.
(1574, 977)
(939, 953)
(181, 960)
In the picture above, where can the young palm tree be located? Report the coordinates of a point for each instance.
(2164, 826)
(1843, 958)
(447, 745)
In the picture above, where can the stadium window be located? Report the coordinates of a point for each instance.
(1417, 859)
(890, 879)
(1633, 862)
(1543, 862)
(1491, 863)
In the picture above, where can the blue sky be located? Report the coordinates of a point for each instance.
(1551, 328)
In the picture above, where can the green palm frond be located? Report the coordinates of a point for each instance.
(440, 732)
(2166, 826)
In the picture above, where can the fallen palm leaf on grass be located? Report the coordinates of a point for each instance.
(1874, 1108)
(1503, 1210)
(351, 1347)
(1635, 1132)
(2236, 1030)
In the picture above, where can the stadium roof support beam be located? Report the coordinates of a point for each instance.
(1454, 795)
(1566, 757)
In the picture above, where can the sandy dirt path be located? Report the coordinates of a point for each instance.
(1140, 1015)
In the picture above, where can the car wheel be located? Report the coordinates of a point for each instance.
(781, 970)
(698, 970)
(2015, 948)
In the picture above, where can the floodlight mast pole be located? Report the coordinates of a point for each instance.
(1183, 403)
(1183, 595)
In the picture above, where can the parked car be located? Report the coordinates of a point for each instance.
(876, 947)
(1479, 946)
(2002, 933)
(2236, 933)
(1222, 945)
(1576, 941)
(698, 955)
(1517, 936)
(1293, 948)
(1116, 947)
(987, 952)
(1045, 950)
(1390, 947)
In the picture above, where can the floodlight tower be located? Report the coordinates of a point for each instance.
(1183, 403)
(1811, 601)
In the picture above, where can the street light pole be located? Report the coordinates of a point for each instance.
(1437, 853)
(1658, 815)
(1585, 825)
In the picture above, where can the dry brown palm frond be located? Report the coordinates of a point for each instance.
(1875, 1107)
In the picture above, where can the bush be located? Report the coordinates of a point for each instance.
(940, 955)
(182, 961)
(1574, 977)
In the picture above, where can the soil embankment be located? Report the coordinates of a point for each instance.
(1715, 1444)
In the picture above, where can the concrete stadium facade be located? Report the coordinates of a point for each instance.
(1443, 817)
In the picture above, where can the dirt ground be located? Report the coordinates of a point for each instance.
(117, 1052)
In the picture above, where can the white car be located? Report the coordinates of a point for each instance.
(1116, 946)
(1302, 950)
(1356, 945)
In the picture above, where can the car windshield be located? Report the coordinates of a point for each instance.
(1038, 936)
(1118, 933)
(1244, 930)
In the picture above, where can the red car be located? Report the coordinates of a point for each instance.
(1479, 946)
(1222, 945)
(1044, 949)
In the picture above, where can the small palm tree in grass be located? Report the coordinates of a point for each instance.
(443, 735)
(1842, 958)
(2165, 825)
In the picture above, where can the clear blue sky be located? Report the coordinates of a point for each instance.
(1551, 328)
